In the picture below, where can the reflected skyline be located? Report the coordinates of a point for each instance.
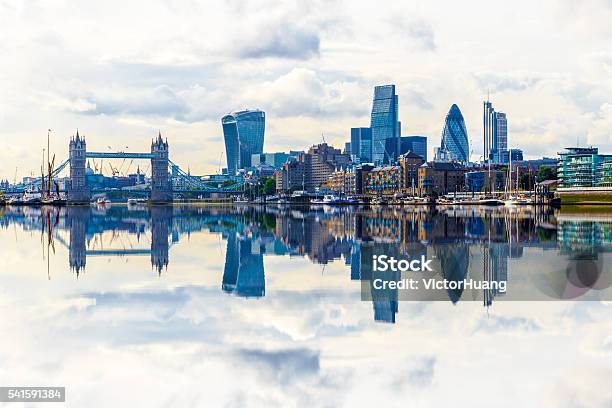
(464, 242)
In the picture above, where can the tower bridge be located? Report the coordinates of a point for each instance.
(164, 173)
(78, 191)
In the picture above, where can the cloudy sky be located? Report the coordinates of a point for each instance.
(119, 71)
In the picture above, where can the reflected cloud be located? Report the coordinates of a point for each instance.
(464, 244)
(282, 366)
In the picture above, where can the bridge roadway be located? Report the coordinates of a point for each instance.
(117, 155)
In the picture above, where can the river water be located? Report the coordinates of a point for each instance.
(253, 306)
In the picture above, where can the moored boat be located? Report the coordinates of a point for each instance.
(103, 201)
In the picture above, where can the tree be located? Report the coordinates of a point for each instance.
(526, 181)
(546, 173)
(267, 186)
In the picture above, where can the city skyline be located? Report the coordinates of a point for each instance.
(312, 69)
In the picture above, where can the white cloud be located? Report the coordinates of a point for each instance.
(310, 65)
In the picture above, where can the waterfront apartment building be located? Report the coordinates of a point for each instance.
(409, 164)
(383, 181)
(243, 132)
(415, 144)
(455, 144)
(584, 168)
(342, 181)
(495, 134)
(439, 178)
(385, 125)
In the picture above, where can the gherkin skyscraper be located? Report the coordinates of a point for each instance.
(455, 142)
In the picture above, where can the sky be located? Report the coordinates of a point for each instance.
(122, 71)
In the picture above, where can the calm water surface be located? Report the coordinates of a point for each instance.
(242, 306)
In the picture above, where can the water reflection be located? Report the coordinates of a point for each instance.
(464, 242)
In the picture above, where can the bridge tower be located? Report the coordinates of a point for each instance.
(77, 188)
(161, 191)
(161, 226)
(78, 218)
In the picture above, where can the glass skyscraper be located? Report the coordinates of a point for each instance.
(361, 144)
(243, 132)
(385, 126)
(455, 144)
(501, 138)
(495, 134)
(415, 144)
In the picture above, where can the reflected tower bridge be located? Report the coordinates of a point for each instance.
(164, 173)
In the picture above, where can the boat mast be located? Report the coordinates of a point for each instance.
(510, 160)
(42, 175)
(48, 166)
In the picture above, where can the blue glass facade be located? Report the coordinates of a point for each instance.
(275, 160)
(385, 126)
(495, 125)
(581, 167)
(454, 136)
(244, 136)
(243, 274)
(361, 144)
(415, 144)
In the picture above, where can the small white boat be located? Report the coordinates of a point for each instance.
(379, 201)
(512, 201)
(490, 201)
(103, 201)
(241, 200)
(15, 201)
(31, 198)
(331, 199)
(136, 201)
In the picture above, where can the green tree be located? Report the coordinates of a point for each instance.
(546, 173)
(267, 186)
(526, 181)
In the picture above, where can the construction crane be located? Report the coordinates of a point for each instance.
(121, 167)
(127, 171)
(220, 158)
(113, 170)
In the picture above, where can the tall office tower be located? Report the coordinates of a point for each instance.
(495, 134)
(455, 145)
(385, 126)
(361, 144)
(501, 137)
(243, 132)
(488, 120)
(416, 144)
